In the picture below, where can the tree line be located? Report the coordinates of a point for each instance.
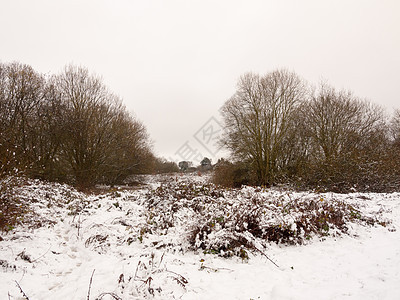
(68, 127)
(280, 130)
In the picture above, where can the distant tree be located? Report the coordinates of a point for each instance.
(184, 165)
(205, 164)
(164, 166)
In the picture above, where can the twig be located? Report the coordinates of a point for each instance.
(22, 292)
(23, 274)
(11, 250)
(183, 279)
(137, 267)
(215, 269)
(256, 248)
(79, 224)
(162, 257)
(90, 285)
(115, 296)
(262, 253)
(42, 254)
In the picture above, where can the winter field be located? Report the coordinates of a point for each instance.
(179, 237)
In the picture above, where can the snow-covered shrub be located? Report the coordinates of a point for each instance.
(225, 222)
(22, 198)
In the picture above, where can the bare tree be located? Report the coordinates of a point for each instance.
(162, 165)
(46, 136)
(130, 148)
(393, 155)
(5, 154)
(101, 141)
(21, 91)
(296, 149)
(395, 126)
(258, 118)
(82, 96)
(67, 127)
(347, 137)
(338, 122)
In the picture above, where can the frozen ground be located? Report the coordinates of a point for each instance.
(103, 247)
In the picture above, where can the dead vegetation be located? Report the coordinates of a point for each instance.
(232, 222)
(12, 207)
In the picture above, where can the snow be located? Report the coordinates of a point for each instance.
(102, 239)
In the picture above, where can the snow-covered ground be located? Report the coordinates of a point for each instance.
(105, 247)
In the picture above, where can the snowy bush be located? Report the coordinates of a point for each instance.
(225, 222)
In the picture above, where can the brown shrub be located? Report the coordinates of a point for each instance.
(232, 175)
(12, 208)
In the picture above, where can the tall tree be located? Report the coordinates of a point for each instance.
(21, 92)
(347, 136)
(258, 119)
(101, 142)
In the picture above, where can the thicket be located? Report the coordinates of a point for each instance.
(67, 127)
(279, 130)
(162, 166)
(12, 208)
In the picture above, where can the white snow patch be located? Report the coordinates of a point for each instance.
(107, 236)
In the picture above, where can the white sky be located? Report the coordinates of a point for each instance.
(175, 62)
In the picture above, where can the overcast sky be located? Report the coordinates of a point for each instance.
(175, 62)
